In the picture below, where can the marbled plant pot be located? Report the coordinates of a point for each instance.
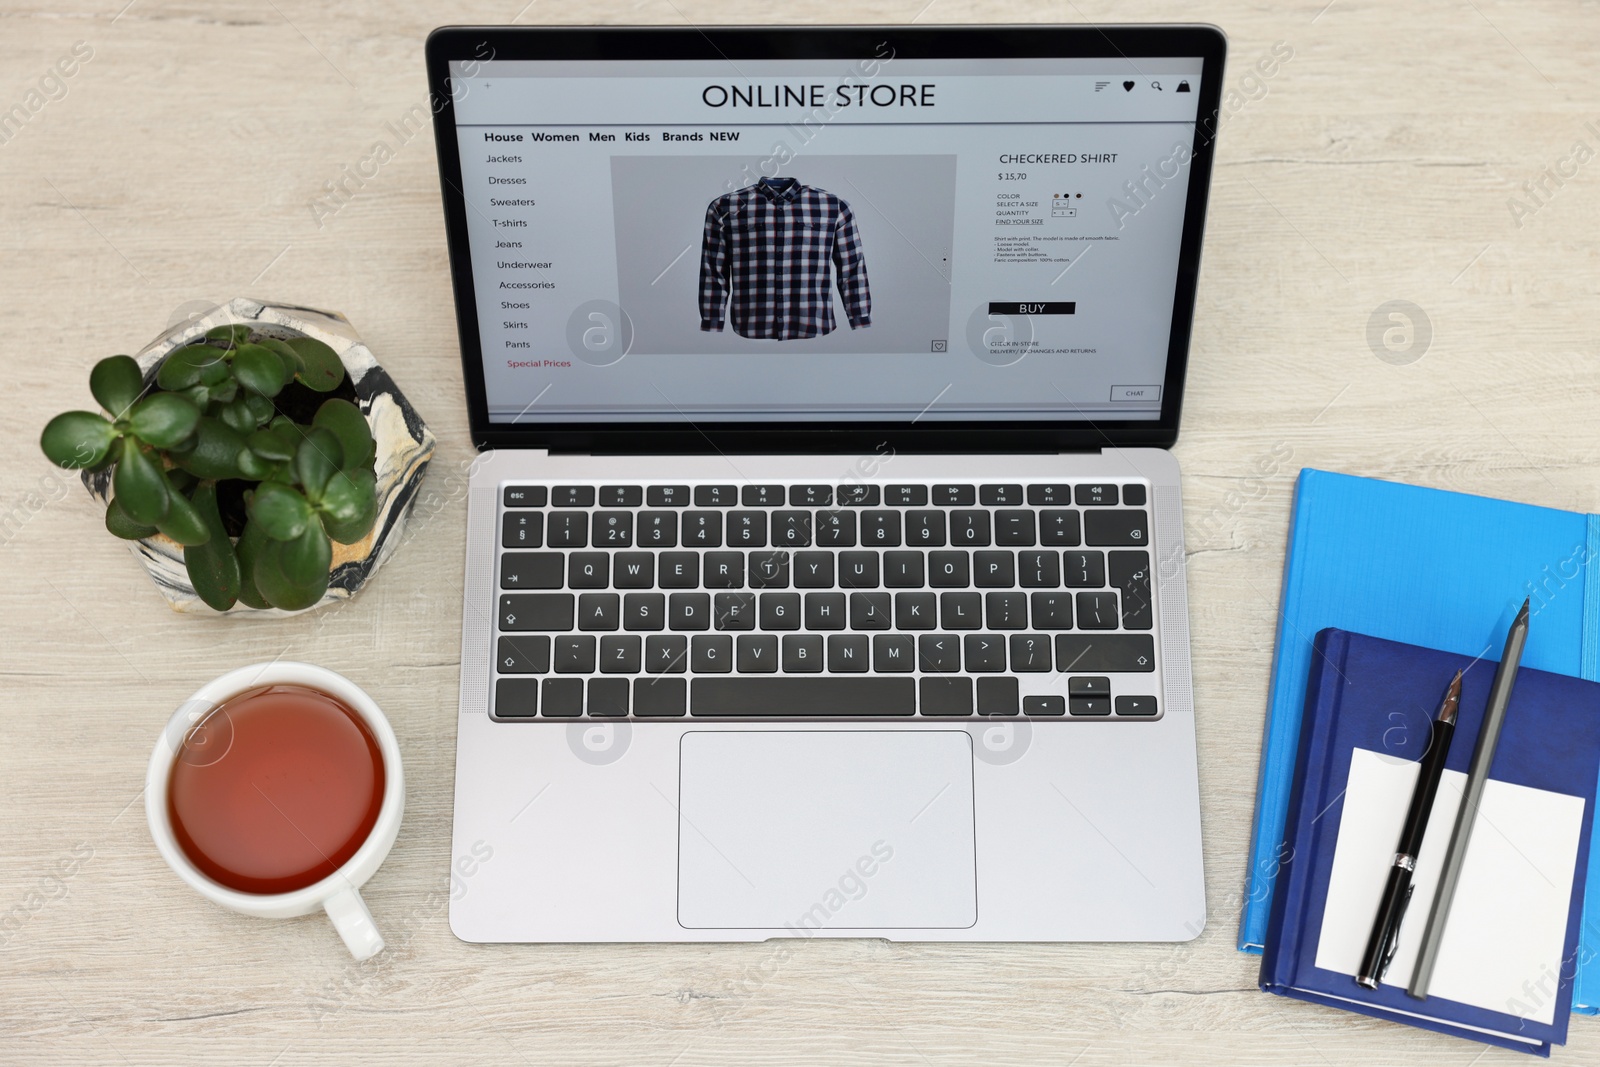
(404, 447)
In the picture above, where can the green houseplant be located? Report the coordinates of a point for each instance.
(235, 449)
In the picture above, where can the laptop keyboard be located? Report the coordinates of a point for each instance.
(824, 601)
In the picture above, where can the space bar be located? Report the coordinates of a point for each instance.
(789, 697)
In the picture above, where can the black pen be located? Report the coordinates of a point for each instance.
(1397, 893)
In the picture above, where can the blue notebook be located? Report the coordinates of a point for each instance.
(1504, 974)
(1432, 568)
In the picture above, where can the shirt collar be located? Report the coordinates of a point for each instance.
(779, 190)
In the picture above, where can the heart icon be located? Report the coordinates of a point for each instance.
(1127, 87)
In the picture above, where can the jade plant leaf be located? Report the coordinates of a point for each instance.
(251, 542)
(116, 383)
(118, 523)
(139, 485)
(347, 423)
(291, 358)
(280, 509)
(293, 574)
(216, 450)
(316, 460)
(259, 370)
(213, 566)
(269, 445)
(185, 366)
(183, 523)
(320, 368)
(260, 408)
(349, 506)
(233, 334)
(164, 419)
(78, 440)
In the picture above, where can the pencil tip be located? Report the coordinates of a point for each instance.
(1522, 616)
(1452, 700)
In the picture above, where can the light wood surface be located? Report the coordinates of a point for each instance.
(1377, 164)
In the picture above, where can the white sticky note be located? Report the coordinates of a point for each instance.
(1502, 947)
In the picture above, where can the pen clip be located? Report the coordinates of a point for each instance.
(1393, 940)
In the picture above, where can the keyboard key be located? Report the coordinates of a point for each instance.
(735, 611)
(756, 654)
(903, 570)
(915, 611)
(1052, 611)
(948, 570)
(906, 496)
(969, 529)
(1013, 528)
(857, 495)
(620, 655)
(1089, 705)
(613, 529)
(802, 653)
(791, 529)
(1105, 652)
(869, 611)
(961, 611)
(813, 570)
(1099, 494)
(1059, 528)
(679, 570)
(1046, 705)
(810, 496)
(925, 529)
(621, 496)
(1000, 496)
(946, 696)
(1097, 611)
(824, 611)
(599, 611)
(516, 698)
(724, 570)
(783, 697)
(769, 570)
(1006, 611)
(608, 697)
(664, 654)
(858, 570)
(1030, 652)
(667, 496)
(1130, 573)
(711, 654)
(716, 496)
(563, 698)
(939, 653)
(574, 654)
(893, 653)
(1047, 496)
(1038, 570)
(880, 529)
(522, 529)
(837, 529)
(761, 496)
(689, 611)
(537, 611)
(633, 570)
(994, 570)
(984, 653)
(1132, 705)
(588, 570)
(530, 570)
(658, 529)
(567, 529)
(780, 611)
(702, 529)
(644, 611)
(747, 529)
(1083, 570)
(572, 496)
(954, 496)
(997, 696)
(1133, 495)
(1124, 526)
(848, 653)
(524, 496)
(659, 697)
(528, 654)
(1089, 687)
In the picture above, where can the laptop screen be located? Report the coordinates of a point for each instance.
(878, 239)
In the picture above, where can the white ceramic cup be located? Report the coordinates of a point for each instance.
(339, 893)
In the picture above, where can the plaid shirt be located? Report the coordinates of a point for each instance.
(768, 246)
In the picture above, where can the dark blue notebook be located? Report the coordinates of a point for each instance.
(1379, 697)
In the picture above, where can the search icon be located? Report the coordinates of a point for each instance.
(1157, 87)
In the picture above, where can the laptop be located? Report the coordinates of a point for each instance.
(824, 564)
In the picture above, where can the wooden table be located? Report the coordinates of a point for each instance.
(183, 160)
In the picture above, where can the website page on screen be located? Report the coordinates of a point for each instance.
(874, 239)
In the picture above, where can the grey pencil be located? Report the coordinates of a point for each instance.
(1494, 717)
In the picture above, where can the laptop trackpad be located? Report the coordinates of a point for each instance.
(826, 830)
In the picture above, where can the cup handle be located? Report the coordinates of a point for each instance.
(354, 923)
